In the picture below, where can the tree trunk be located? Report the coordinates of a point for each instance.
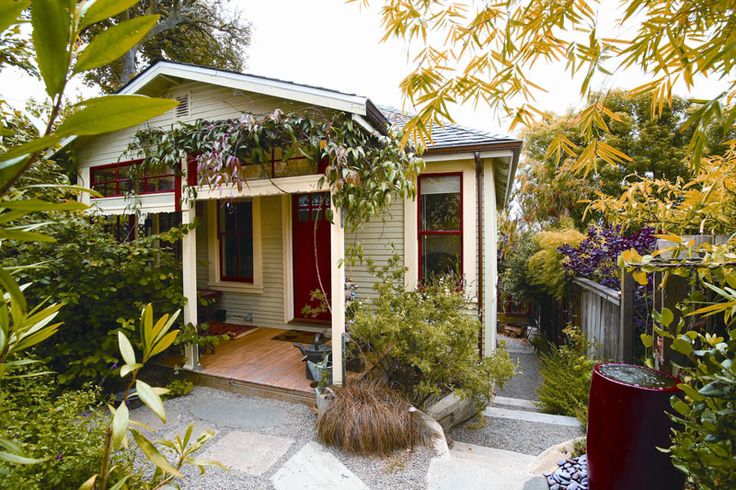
(129, 66)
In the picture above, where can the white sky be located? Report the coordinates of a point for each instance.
(333, 44)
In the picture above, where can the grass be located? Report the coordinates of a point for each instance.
(368, 418)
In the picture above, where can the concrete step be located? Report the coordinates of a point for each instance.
(477, 467)
(544, 418)
(515, 404)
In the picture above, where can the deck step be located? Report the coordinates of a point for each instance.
(543, 418)
(515, 404)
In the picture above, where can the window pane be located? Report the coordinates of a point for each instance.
(441, 254)
(228, 216)
(245, 217)
(246, 257)
(230, 255)
(104, 175)
(440, 203)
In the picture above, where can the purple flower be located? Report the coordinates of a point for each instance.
(58, 456)
(85, 414)
(114, 365)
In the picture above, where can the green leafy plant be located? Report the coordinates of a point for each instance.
(545, 266)
(63, 432)
(701, 336)
(100, 281)
(566, 373)
(425, 341)
(177, 388)
(156, 338)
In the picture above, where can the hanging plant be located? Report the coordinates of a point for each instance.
(364, 171)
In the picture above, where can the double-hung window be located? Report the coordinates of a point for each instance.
(235, 235)
(440, 224)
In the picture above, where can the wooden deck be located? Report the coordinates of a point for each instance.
(254, 364)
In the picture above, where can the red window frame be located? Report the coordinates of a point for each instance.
(421, 232)
(120, 179)
(240, 235)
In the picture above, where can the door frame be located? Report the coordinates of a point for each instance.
(288, 257)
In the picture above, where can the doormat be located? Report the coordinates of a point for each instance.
(298, 336)
(229, 329)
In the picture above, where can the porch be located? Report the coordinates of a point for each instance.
(262, 361)
(262, 271)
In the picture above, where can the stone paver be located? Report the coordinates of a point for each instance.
(313, 468)
(245, 413)
(249, 452)
(476, 467)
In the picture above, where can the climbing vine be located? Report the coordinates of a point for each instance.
(363, 170)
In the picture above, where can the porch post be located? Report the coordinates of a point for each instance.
(189, 274)
(490, 246)
(337, 278)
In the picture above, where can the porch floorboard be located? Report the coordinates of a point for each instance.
(257, 358)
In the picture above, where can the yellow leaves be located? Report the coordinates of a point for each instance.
(640, 277)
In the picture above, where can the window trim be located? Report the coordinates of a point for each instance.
(420, 232)
(220, 257)
(213, 251)
(117, 180)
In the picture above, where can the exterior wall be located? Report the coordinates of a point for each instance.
(377, 238)
(205, 102)
(265, 303)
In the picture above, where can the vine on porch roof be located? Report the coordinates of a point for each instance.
(364, 170)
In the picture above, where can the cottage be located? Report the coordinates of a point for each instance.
(253, 248)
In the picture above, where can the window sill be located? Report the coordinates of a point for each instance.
(235, 287)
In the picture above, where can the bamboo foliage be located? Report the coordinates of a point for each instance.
(486, 52)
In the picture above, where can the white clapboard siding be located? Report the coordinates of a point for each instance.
(267, 307)
(376, 237)
(206, 102)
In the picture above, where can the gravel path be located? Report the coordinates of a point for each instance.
(515, 435)
(526, 381)
(262, 417)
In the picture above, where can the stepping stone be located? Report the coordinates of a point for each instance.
(249, 452)
(145, 415)
(313, 468)
(243, 413)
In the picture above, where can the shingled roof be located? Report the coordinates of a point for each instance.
(450, 135)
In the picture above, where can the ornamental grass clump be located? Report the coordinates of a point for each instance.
(566, 372)
(369, 418)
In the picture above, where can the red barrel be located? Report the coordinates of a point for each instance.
(626, 424)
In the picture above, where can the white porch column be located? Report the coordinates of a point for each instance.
(490, 246)
(337, 284)
(189, 274)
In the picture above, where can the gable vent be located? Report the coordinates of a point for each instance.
(182, 110)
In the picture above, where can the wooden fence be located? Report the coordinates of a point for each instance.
(605, 317)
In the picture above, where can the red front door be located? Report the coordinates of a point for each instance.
(311, 246)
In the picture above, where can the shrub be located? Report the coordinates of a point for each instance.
(68, 430)
(369, 418)
(178, 387)
(102, 283)
(545, 266)
(514, 277)
(425, 341)
(566, 372)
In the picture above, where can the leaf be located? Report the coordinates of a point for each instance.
(126, 350)
(682, 346)
(113, 42)
(164, 343)
(153, 455)
(89, 484)
(17, 458)
(40, 205)
(667, 317)
(20, 152)
(51, 20)
(119, 425)
(114, 112)
(7, 283)
(647, 340)
(10, 10)
(640, 277)
(119, 484)
(690, 391)
(128, 368)
(151, 399)
(99, 10)
(24, 236)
